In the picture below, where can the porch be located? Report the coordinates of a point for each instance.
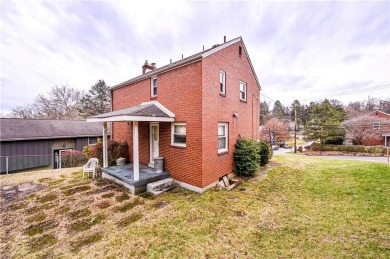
(124, 175)
(135, 176)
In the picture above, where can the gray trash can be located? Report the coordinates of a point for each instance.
(158, 164)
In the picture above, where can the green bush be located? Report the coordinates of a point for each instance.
(115, 150)
(87, 151)
(246, 157)
(265, 152)
(334, 140)
(356, 149)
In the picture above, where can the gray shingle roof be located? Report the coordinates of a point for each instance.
(147, 110)
(188, 60)
(20, 129)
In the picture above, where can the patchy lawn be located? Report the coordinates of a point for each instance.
(306, 207)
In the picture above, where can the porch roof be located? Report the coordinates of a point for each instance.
(152, 111)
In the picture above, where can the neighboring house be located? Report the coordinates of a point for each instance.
(385, 129)
(191, 112)
(30, 143)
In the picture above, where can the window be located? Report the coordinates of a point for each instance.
(242, 91)
(92, 141)
(222, 137)
(222, 82)
(376, 125)
(239, 51)
(153, 87)
(179, 133)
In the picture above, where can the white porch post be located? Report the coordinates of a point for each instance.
(105, 156)
(135, 151)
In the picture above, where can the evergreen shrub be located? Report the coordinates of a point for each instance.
(246, 157)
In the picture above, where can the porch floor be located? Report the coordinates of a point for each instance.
(124, 175)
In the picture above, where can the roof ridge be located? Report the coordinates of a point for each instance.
(173, 64)
(39, 119)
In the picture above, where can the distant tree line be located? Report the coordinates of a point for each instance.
(64, 102)
(328, 120)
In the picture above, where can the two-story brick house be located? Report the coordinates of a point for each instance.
(383, 128)
(191, 112)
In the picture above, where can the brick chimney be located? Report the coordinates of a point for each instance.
(146, 67)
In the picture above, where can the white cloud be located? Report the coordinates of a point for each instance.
(299, 50)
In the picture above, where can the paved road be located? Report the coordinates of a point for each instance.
(282, 152)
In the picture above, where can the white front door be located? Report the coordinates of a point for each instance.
(154, 146)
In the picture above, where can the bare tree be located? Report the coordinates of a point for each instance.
(28, 111)
(276, 129)
(364, 128)
(61, 102)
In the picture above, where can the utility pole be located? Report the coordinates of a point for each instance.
(295, 130)
(270, 138)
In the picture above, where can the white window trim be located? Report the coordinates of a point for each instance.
(246, 90)
(173, 131)
(224, 82)
(376, 125)
(89, 143)
(151, 86)
(222, 150)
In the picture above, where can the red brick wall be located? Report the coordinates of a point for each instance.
(192, 93)
(217, 108)
(378, 142)
(180, 91)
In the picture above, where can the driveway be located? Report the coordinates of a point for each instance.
(377, 159)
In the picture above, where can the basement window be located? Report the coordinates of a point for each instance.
(223, 137)
(179, 134)
(153, 86)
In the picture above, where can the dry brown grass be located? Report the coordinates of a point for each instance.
(304, 208)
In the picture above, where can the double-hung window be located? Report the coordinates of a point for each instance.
(242, 91)
(179, 134)
(222, 82)
(376, 125)
(223, 137)
(153, 86)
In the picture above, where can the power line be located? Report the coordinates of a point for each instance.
(267, 97)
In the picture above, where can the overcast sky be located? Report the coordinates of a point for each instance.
(300, 50)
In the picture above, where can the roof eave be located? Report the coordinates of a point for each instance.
(54, 137)
(126, 118)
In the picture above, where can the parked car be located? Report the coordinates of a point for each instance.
(286, 146)
(276, 147)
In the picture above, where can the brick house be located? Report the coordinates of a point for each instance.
(191, 112)
(385, 130)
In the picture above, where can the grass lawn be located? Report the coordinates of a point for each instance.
(306, 207)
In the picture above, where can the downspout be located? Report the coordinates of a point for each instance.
(253, 96)
(111, 124)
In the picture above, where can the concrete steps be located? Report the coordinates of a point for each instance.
(161, 186)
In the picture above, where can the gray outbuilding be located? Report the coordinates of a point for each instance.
(31, 143)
